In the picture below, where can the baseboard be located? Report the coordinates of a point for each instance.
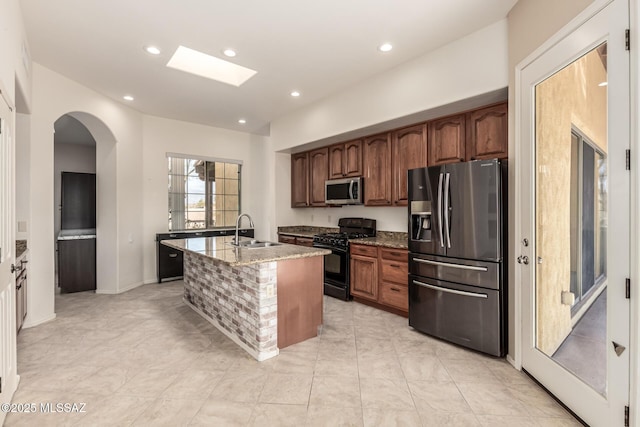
(259, 356)
(511, 360)
(31, 323)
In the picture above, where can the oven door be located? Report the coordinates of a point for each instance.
(336, 272)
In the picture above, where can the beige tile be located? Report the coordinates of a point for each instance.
(335, 391)
(148, 383)
(538, 402)
(327, 416)
(287, 389)
(506, 421)
(375, 345)
(385, 393)
(222, 413)
(193, 384)
(492, 399)
(425, 368)
(274, 415)
(468, 371)
(240, 386)
(438, 397)
(169, 412)
(116, 410)
(374, 417)
(421, 345)
(104, 380)
(558, 422)
(379, 365)
(295, 363)
(337, 365)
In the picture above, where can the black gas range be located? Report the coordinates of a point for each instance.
(336, 264)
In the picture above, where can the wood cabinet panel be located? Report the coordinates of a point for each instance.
(299, 180)
(318, 174)
(409, 152)
(399, 255)
(447, 140)
(364, 277)
(376, 156)
(394, 295)
(394, 271)
(364, 250)
(345, 160)
(487, 136)
(304, 241)
(291, 240)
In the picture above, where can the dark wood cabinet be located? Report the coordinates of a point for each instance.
(77, 265)
(364, 277)
(318, 174)
(300, 180)
(345, 160)
(78, 201)
(409, 152)
(376, 157)
(447, 140)
(379, 277)
(487, 136)
(295, 240)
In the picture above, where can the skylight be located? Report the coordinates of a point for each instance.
(203, 65)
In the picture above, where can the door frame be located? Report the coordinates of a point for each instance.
(521, 156)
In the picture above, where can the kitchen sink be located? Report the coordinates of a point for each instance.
(254, 244)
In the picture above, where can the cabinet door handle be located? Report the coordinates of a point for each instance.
(394, 265)
(173, 255)
(198, 234)
(395, 289)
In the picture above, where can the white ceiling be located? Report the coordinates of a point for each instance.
(318, 47)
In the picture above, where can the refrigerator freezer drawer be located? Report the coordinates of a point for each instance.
(467, 272)
(465, 315)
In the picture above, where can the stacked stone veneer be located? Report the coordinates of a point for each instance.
(240, 300)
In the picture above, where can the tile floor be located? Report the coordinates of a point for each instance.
(144, 358)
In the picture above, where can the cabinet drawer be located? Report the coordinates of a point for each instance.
(399, 255)
(394, 295)
(393, 271)
(287, 239)
(304, 241)
(364, 250)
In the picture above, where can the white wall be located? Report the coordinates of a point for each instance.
(118, 134)
(162, 136)
(23, 186)
(69, 158)
(465, 68)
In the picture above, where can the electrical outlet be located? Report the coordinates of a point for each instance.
(270, 291)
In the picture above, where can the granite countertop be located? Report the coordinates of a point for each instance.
(305, 230)
(220, 249)
(79, 233)
(387, 239)
(21, 248)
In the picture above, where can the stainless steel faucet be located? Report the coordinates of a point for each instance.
(237, 239)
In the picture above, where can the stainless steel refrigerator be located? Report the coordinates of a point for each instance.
(457, 236)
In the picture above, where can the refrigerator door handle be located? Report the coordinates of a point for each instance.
(447, 264)
(440, 211)
(446, 209)
(450, 291)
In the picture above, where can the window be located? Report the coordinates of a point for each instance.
(203, 193)
(588, 216)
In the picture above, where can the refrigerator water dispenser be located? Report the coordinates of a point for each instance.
(421, 220)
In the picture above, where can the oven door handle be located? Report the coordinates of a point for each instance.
(332, 248)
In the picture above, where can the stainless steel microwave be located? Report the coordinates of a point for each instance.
(346, 191)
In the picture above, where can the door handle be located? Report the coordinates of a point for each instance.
(446, 209)
(523, 260)
(440, 211)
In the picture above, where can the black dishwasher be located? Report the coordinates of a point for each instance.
(169, 260)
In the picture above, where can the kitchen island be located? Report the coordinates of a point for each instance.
(263, 298)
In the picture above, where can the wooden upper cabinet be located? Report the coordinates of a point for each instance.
(487, 133)
(345, 160)
(409, 152)
(376, 159)
(447, 140)
(318, 174)
(300, 180)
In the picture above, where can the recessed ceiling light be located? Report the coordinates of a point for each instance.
(295, 94)
(203, 65)
(152, 50)
(385, 47)
(229, 52)
(242, 121)
(128, 98)
(603, 84)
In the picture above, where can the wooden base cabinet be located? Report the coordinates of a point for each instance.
(379, 276)
(295, 240)
(77, 265)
